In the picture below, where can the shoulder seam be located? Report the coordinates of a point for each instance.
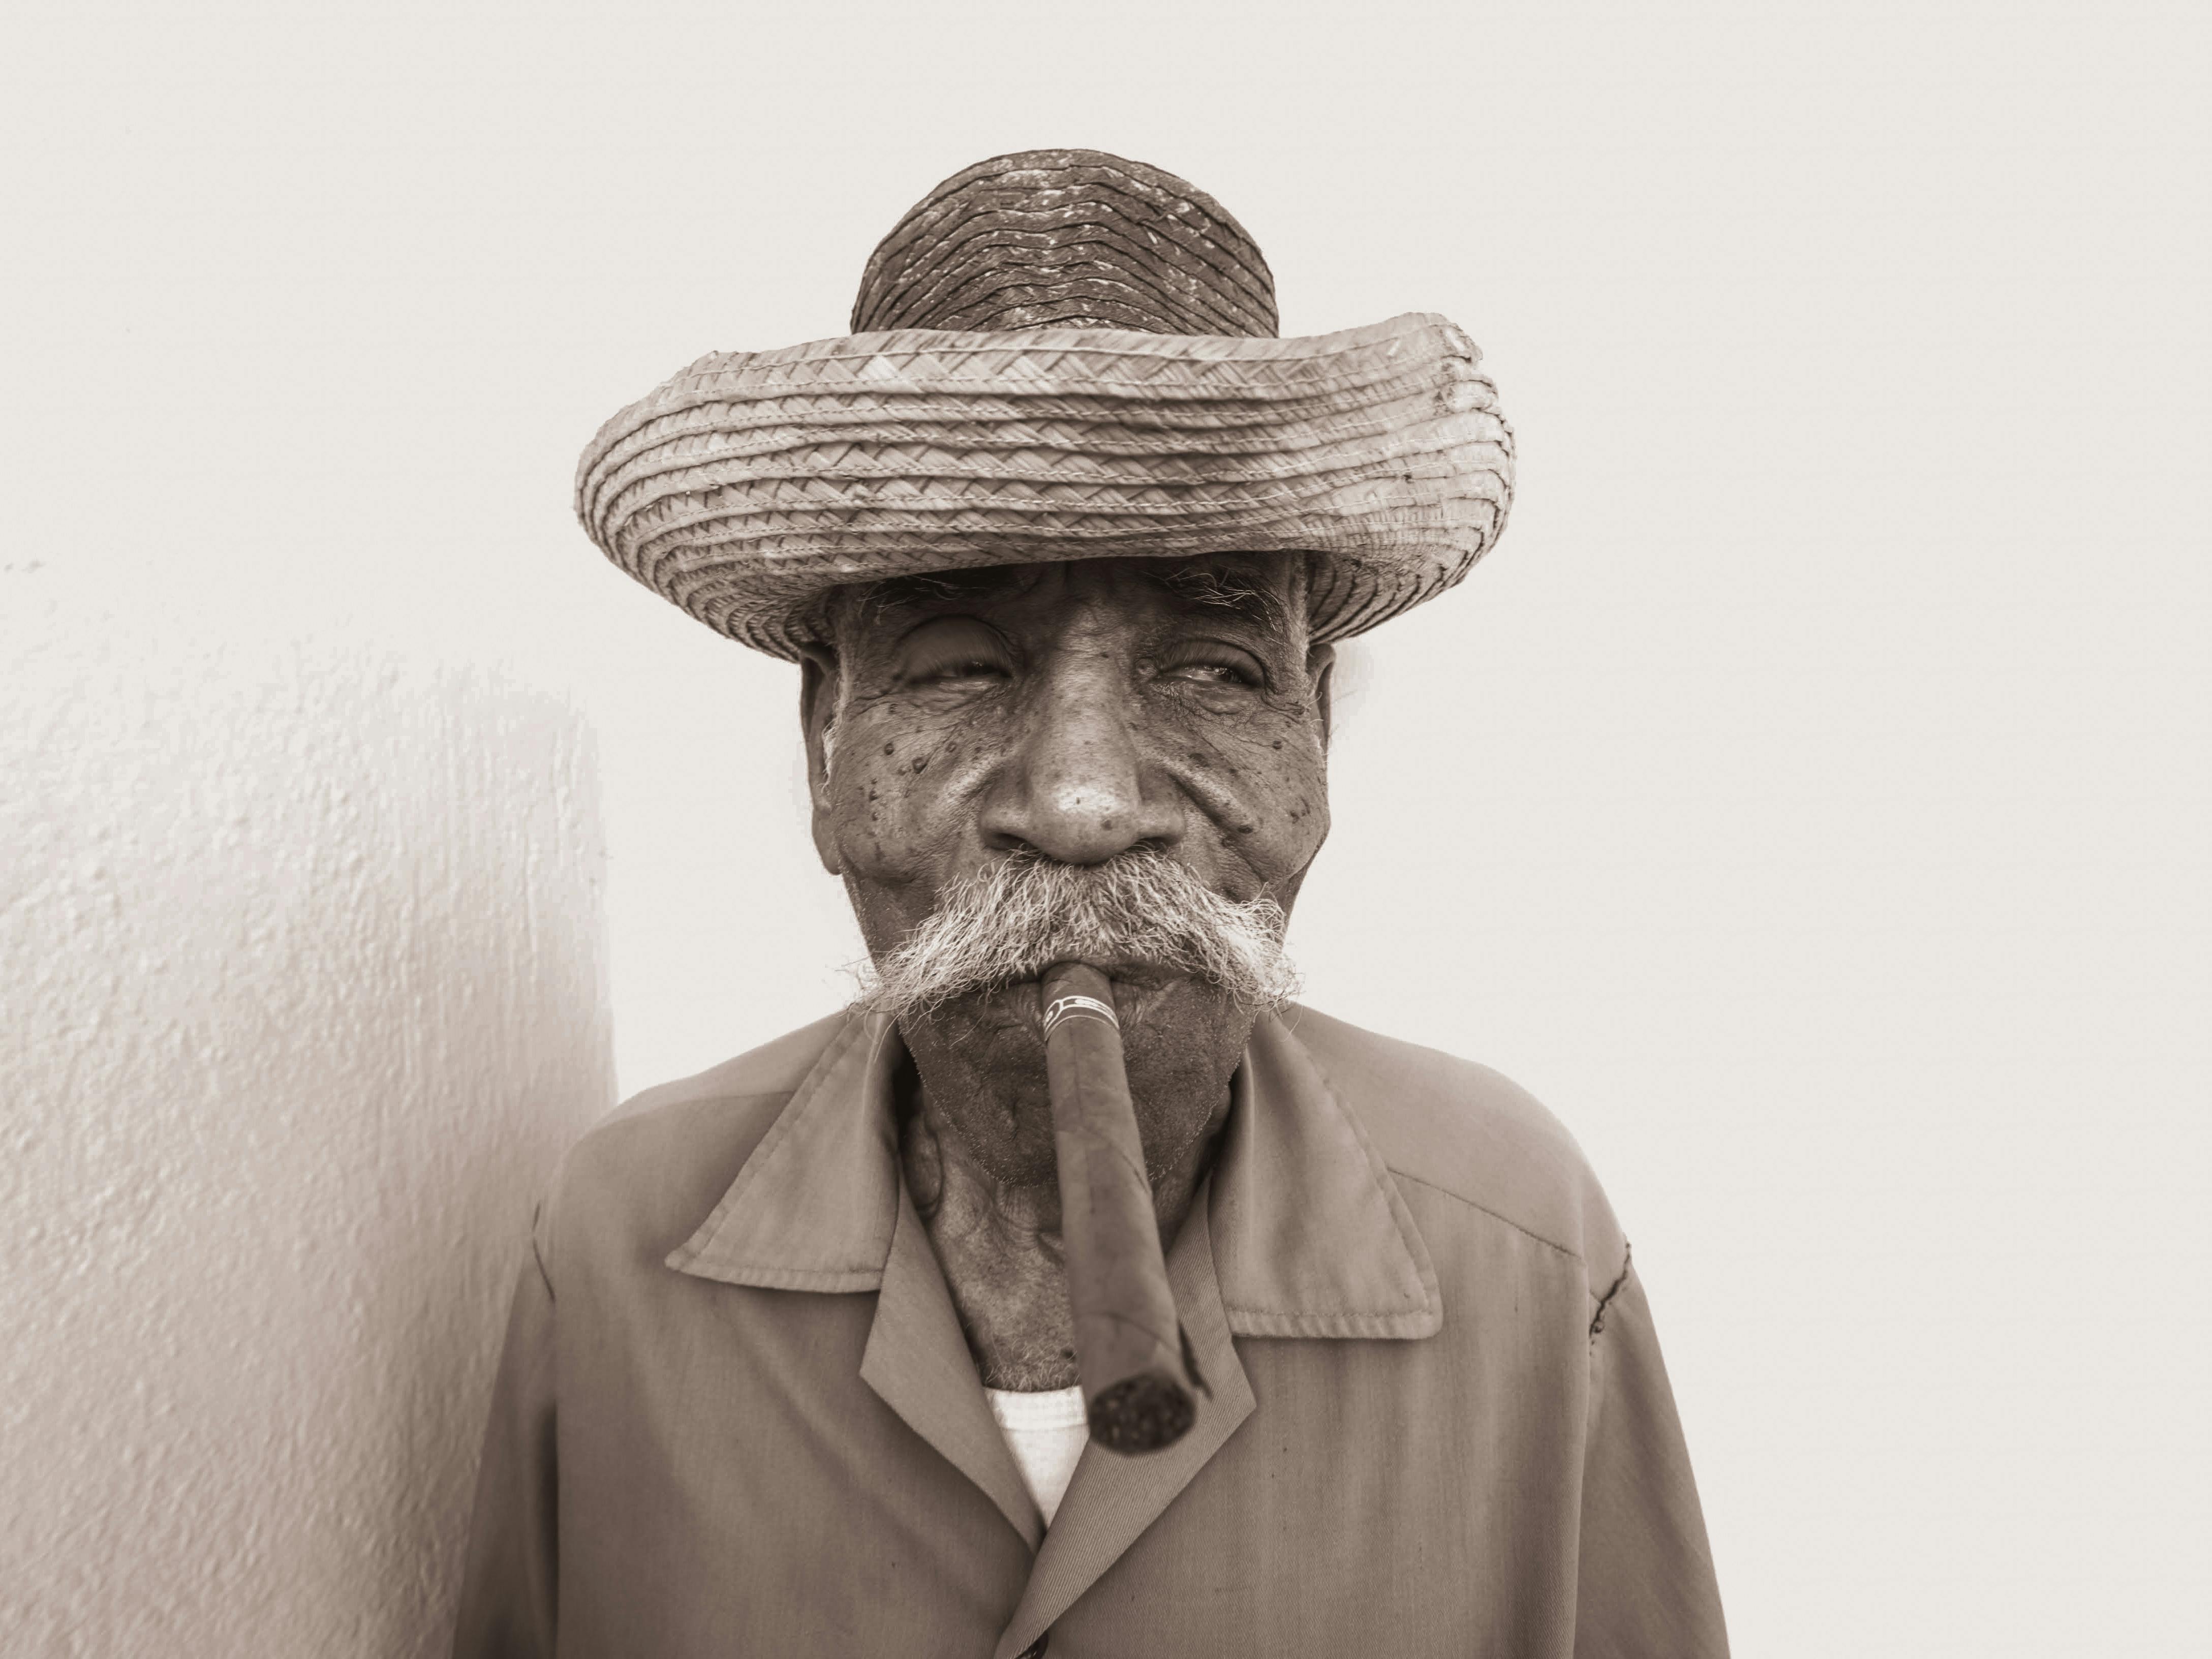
(1597, 1319)
(1549, 1244)
(537, 1255)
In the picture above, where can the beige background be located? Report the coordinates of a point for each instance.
(1808, 800)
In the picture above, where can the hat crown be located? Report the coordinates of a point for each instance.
(1068, 239)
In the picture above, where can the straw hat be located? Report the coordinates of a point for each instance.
(1056, 355)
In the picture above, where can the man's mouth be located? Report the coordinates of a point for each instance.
(1138, 987)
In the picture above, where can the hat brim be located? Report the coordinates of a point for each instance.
(750, 485)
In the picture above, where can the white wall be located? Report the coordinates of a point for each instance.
(303, 954)
(1808, 800)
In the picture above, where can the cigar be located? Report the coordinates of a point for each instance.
(1130, 1355)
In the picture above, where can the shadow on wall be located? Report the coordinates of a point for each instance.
(302, 957)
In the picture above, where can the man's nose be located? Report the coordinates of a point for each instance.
(1074, 787)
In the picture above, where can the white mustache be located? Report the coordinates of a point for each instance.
(1026, 912)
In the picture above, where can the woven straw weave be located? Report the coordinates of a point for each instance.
(1068, 239)
(751, 485)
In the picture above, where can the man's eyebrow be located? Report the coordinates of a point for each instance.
(873, 601)
(1234, 590)
(1241, 593)
(981, 584)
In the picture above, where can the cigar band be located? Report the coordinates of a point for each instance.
(1065, 1008)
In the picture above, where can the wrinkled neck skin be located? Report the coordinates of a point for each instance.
(1074, 711)
(979, 1099)
(999, 1239)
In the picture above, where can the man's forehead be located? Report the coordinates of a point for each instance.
(1259, 588)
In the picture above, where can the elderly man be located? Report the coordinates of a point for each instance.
(1059, 538)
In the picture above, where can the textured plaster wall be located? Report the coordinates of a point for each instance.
(301, 955)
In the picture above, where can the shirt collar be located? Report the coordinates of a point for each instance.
(1309, 1235)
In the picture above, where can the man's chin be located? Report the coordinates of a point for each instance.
(983, 1051)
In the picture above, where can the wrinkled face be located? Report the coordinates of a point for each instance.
(1071, 713)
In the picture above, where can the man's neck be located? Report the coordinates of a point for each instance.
(999, 1243)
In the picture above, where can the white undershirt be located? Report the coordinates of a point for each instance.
(1046, 1433)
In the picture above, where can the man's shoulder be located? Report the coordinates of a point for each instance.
(654, 1169)
(1468, 1134)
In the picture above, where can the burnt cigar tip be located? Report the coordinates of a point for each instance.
(1141, 1413)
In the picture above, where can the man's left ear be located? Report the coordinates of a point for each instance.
(1321, 675)
(817, 713)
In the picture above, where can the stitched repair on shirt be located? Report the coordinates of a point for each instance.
(1597, 1319)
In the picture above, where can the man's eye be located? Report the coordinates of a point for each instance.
(957, 668)
(952, 649)
(1213, 666)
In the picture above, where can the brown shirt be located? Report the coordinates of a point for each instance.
(736, 1414)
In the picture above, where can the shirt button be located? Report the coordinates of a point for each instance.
(1036, 1650)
